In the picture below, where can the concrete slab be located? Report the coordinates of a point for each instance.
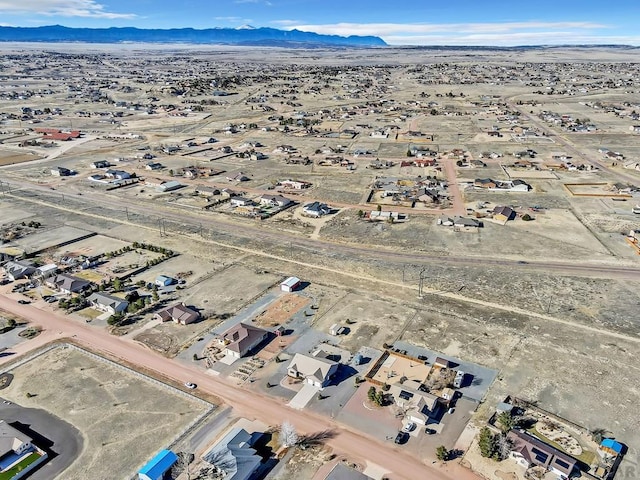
(228, 360)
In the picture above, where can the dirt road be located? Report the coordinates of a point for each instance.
(353, 444)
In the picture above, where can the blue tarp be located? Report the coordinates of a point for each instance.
(611, 444)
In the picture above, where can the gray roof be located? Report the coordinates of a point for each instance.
(233, 453)
(341, 472)
(106, 300)
(11, 439)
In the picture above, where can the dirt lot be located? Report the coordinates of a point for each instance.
(228, 290)
(109, 405)
(278, 312)
(170, 338)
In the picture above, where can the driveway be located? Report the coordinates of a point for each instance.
(304, 396)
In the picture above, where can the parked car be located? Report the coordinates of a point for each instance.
(24, 302)
(409, 427)
(190, 385)
(430, 431)
(451, 410)
(401, 438)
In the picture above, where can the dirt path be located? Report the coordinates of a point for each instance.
(252, 405)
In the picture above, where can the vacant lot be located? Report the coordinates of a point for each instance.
(124, 418)
(169, 338)
(228, 290)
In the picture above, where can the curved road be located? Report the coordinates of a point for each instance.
(351, 443)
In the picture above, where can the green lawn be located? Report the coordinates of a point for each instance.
(9, 474)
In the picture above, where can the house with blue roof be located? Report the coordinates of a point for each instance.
(158, 467)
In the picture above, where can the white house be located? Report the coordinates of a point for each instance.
(235, 455)
(107, 303)
(13, 440)
(315, 370)
(316, 209)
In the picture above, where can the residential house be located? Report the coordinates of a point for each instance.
(294, 184)
(206, 191)
(18, 269)
(529, 451)
(464, 222)
(234, 454)
(519, 186)
(60, 172)
(274, 201)
(238, 177)
(107, 303)
(158, 466)
(241, 202)
(316, 209)
(153, 166)
(68, 284)
(503, 213)
(241, 339)
(13, 441)
(117, 174)
(315, 370)
(45, 271)
(100, 164)
(484, 183)
(445, 220)
(179, 313)
(414, 397)
(340, 471)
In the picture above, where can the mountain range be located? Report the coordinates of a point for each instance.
(245, 35)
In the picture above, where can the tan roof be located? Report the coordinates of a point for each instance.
(242, 337)
(179, 313)
(316, 367)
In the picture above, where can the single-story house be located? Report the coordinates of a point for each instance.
(314, 370)
(503, 213)
(107, 303)
(117, 174)
(274, 200)
(60, 172)
(241, 339)
(179, 313)
(316, 209)
(45, 271)
(18, 269)
(518, 185)
(153, 166)
(445, 220)
(411, 395)
(529, 451)
(484, 183)
(101, 164)
(158, 466)
(342, 472)
(13, 440)
(206, 191)
(235, 455)
(294, 184)
(466, 222)
(240, 202)
(290, 284)
(68, 283)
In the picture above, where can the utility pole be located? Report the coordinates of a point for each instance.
(126, 210)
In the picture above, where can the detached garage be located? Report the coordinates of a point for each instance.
(290, 284)
(158, 467)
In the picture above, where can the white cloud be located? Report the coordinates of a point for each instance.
(285, 23)
(61, 8)
(499, 33)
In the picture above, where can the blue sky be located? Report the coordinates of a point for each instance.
(400, 22)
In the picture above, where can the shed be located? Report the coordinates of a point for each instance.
(290, 284)
(158, 466)
(164, 281)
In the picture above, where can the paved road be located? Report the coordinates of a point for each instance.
(351, 443)
(61, 440)
(249, 231)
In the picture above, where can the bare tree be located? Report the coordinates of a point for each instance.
(183, 462)
(288, 435)
(504, 446)
(314, 439)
